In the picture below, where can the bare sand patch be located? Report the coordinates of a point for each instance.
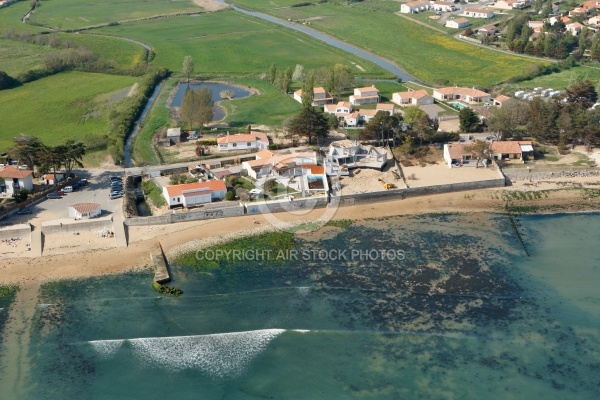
(440, 174)
(211, 5)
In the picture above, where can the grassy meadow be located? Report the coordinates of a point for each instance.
(229, 43)
(429, 56)
(16, 57)
(125, 54)
(70, 105)
(75, 14)
(10, 18)
(563, 79)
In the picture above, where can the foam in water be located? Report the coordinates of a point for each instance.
(219, 355)
(107, 348)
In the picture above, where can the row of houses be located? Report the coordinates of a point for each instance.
(584, 10)
(351, 118)
(415, 7)
(421, 97)
(361, 96)
(460, 154)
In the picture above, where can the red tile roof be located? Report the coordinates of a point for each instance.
(246, 137)
(177, 190)
(11, 172)
(85, 208)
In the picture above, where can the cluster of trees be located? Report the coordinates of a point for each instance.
(197, 107)
(30, 150)
(571, 121)
(335, 79)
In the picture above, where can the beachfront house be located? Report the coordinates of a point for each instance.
(85, 210)
(268, 163)
(468, 95)
(365, 95)
(459, 155)
(412, 98)
(511, 150)
(458, 23)
(320, 97)
(414, 7)
(348, 154)
(247, 141)
(13, 179)
(194, 194)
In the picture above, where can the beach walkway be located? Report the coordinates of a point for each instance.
(159, 262)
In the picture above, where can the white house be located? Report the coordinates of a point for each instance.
(352, 118)
(412, 98)
(342, 107)
(457, 23)
(52, 179)
(348, 154)
(13, 179)
(366, 115)
(469, 95)
(444, 6)
(574, 28)
(320, 97)
(459, 154)
(386, 107)
(246, 141)
(413, 7)
(85, 210)
(512, 4)
(365, 95)
(478, 13)
(594, 21)
(193, 194)
(280, 165)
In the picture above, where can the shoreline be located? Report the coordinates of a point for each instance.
(80, 262)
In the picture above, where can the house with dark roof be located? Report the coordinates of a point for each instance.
(13, 179)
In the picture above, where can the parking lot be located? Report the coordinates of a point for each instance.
(96, 191)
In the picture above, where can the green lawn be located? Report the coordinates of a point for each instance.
(10, 18)
(230, 43)
(124, 53)
(17, 57)
(428, 55)
(74, 14)
(271, 107)
(563, 79)
(70, 105)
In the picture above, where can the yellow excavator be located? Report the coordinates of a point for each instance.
(386, 185)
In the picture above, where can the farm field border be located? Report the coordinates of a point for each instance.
(430, 56)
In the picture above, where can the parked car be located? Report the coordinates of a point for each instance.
(116, 187)
(53, 196)
(68, 189)
(115, 195)
(24, 211)
(60, 192)
(116, 178)
(83, 182)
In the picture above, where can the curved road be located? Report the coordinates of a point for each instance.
(381, 62)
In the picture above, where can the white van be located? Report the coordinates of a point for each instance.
(68, 189)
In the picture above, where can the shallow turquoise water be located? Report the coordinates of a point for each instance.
(465, 314)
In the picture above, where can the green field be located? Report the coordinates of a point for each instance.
(428, 55)
(563, 79)
(75, 14)
(229, 43)
(17, 57)
(70, 105)
(125, 54)
(10, 18)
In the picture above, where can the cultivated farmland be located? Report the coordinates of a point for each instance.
(70, 105)
(428, 55)
(229, 43)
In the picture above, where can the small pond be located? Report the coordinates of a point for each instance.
(216, 88)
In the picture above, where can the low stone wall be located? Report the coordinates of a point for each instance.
(77, 226)
(209, 211)
(15, 231)
(286, 205)
(396, 194)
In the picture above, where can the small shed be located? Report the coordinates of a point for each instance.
(52, 179)
(174, 135)
(85, 210)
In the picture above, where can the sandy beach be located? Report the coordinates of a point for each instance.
(67, 256)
